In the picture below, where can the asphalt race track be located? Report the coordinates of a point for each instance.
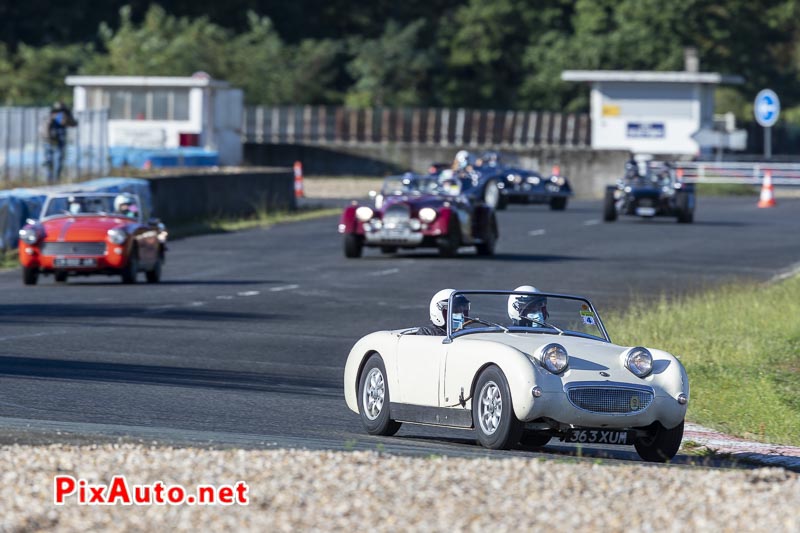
(244, 341)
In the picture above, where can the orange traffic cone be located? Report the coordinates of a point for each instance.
(767, 193)
(298, 180)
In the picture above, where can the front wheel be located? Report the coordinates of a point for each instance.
(558, 203)
(30, 275)
(353, 245)
(496, 425)
(486, 248)
(373, 398)
(491, 194)
(610, 206)
(154, 275)
(131, 269)
(662, 445)
(685, 205)
(448, 244)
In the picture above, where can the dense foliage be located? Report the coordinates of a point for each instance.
(499, 54)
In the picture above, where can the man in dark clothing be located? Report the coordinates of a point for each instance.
(56, 139)
(438, 313)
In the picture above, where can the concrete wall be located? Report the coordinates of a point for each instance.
(189, 197)
(589, 170)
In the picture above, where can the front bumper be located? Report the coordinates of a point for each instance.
(114, 258)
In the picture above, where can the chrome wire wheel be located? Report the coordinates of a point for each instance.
(490, 408)
(374, 394)
(491, 195)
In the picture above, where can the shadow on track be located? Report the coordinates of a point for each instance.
(540, 258)
(35, 313)
(29, 367)
(83, 282)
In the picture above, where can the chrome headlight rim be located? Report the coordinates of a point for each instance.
(117, 236)
(428, 214)
(29, 235)
(364, 213)
(545, 357)
(639, 361)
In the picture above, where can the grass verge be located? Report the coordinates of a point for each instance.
(259, 220)
(726, 189)
(741, 348)
(8, 259)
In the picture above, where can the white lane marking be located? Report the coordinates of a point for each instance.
(284, 288)
(248, 293)
(385, 272)
(196, 304)
(592, 222)
(224, 297)
(536, 232)
(30, 335)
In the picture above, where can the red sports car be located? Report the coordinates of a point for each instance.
(414, 211)
(79, 234)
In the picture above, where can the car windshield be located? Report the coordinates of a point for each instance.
(77, 204)
(409, 184)
(523, 312)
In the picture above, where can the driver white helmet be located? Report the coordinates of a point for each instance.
(527, 307)
(463, 159)
(438, 307)
(122, 200)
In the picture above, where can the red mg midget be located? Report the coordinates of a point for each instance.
(79, 234)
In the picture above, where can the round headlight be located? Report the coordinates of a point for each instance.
(364, 213)
(117, 236)
(533, 180)
(427, 214)
(639, 361)
(554, 358)
(28, 235)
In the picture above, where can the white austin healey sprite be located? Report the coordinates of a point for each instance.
(520, 366)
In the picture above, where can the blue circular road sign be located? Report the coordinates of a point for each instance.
(767, 107)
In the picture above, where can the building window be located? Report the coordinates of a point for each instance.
(142, 104)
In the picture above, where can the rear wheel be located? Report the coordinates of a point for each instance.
(609, 206)
(496, 425)
(662, 445)
(353, 245)
(448, 244)
(373, 398)
(558, 203)
(30, 275)
(61, 277)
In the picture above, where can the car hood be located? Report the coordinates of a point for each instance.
(415, 203)
(587, 357)
(81, 228)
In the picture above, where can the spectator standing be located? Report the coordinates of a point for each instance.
(56, 139)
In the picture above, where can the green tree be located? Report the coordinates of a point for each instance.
(390, 70)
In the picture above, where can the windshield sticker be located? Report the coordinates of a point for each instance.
(587, 316)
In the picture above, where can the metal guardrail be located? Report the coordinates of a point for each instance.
(739, 173)
(22, 148)
(430, 126)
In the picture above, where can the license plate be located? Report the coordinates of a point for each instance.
(75, 262)
(599, 436)
(646, 211)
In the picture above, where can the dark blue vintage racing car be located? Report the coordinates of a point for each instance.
(651, 191)
(498, 181)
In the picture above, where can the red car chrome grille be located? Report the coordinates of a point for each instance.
(74, 248)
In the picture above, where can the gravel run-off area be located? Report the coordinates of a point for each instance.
(291, 490)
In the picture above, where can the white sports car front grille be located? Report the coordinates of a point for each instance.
(614, 399)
